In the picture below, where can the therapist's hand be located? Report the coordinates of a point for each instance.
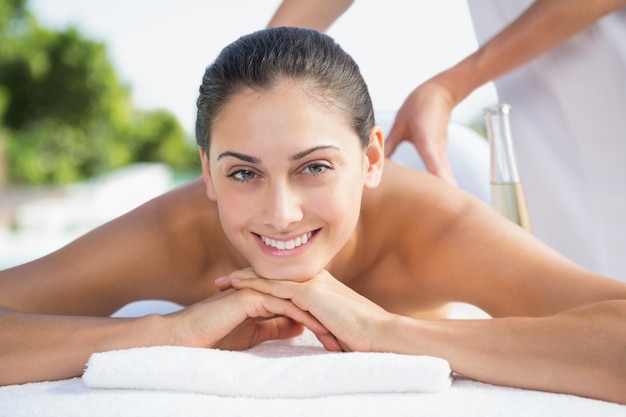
(355, 321)
(423, 120)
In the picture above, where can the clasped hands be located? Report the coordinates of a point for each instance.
(250, 310)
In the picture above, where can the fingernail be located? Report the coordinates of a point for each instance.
(221, 279)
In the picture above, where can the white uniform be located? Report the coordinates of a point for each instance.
(569, 128)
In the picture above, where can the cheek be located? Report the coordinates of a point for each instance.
(234, 212)
(341, 204)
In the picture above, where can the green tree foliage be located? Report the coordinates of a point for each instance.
(65, 116)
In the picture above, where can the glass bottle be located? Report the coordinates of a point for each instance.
(507, 192)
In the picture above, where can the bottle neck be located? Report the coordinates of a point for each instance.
(503, 161)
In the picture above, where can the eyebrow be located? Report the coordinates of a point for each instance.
(243, 157)
(303, 154)
(255, 160)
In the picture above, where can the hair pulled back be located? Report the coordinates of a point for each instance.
(262, 59)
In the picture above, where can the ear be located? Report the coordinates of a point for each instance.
(206, 175)
(375, 157)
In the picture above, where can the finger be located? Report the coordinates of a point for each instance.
(329, 342)
(223, 283)
(445, 172)
(431, 159)
(437, 164)
(277, 306)
(262, 305)
(393, 140)
(280, 289)
(243, 273)
(278, 328)
(222, 294)
(278, 295)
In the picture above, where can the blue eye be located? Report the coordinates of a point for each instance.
(243, 175)
(315, 168)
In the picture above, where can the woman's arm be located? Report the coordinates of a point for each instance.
(579, 351)
(37, 347)
(556, 327)
(49, 307)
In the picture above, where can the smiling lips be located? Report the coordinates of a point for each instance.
(287, 244)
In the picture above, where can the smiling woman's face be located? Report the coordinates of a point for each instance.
(288, 175)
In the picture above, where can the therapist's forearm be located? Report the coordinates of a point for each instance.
(543, 26)
(313, 14)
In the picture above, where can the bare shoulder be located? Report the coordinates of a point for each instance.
(159, 250)
(462, 250)
(404, 223)
(416, 213)
(180, 210)
(411, 200)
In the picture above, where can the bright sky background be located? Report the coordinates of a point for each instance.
(160, 48)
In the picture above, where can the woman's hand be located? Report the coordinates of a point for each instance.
(355, 321)
(423, 120)
(238, 319)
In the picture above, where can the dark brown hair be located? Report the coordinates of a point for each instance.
(263, 58)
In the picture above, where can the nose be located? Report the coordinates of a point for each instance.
(283, 206)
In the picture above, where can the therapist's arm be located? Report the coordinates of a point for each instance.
(313, 14)
(425, 114)
(543, 26)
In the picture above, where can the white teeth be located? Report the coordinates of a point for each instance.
(287, 244)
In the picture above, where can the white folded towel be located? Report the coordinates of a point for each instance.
(299, 372)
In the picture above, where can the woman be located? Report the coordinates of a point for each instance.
(301, 228)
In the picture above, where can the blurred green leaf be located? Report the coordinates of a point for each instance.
(64, 112)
